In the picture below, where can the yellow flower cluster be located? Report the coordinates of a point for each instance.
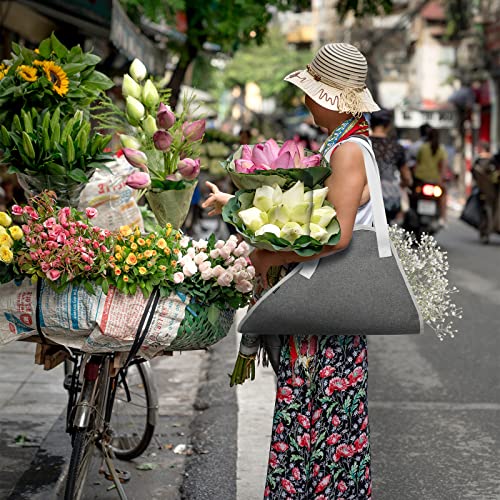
(56, 75)
(8, 234)
(28, 73)
(143, 260)
(3, 70)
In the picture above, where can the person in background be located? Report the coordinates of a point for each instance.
(391, 160)
(424, 130)
(432, 166)
(486, 173)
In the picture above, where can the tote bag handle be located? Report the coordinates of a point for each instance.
(377, 200)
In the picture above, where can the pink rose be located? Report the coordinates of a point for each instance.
(53, 274)
(178, 278)
(225, 279)
(244, 286)
(17, 210)
(91, 212)
(204, 266)
(207, 275)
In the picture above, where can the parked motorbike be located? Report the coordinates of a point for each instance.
(423, 215)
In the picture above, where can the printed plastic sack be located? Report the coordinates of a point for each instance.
(119, 319)
(114, 200)
(17, 311)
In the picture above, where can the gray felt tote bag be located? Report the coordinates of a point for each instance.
(361, 290)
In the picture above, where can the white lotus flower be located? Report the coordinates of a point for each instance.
(291, 231)
(294, 196)
(278, 215)
(268, 228)
(277, 195)
(253, 218)
(317, 196)
(323, 216)
(318, 233)
(301, 213)
(263, 198)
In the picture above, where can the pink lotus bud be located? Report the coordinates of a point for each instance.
(17, 210)
(91, 212)
(193, 131)
(244, 166)
(135, 157)
(162, 140)
(165, 118)
(246, 152)
(312, 161)
(189, 169)
(138, 180)
(53, 274)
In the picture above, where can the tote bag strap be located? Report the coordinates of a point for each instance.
(375, 187)
(308, 268)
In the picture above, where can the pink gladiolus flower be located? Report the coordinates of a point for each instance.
(17, 210)
(138, 180)
(53, 274)
(193, 131)
(162, 140)
(135, 157)
(90, 212)
(178, 278)
(164, 117)
(189, 169)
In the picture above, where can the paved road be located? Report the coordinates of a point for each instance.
(434, 406)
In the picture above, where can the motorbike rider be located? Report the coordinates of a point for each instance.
(486, 173)
(432, 165)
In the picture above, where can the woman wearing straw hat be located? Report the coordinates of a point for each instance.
(320, 440)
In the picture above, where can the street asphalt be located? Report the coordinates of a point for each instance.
(434, 410)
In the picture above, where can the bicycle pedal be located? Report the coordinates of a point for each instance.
(123, 475)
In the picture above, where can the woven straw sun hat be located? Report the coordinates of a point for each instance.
(336, 80)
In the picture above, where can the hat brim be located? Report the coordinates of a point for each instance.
(330, 97)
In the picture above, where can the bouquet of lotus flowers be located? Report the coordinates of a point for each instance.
(266, 164)
(162, 146)
(295, 219)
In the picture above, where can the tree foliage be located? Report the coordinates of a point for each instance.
(267, 65)
(364, 7)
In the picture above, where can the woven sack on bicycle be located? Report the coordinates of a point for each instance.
(202, 327)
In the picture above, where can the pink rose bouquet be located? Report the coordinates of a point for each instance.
(61, 245)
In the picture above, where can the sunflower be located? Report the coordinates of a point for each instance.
(27, 73)
(56, 75)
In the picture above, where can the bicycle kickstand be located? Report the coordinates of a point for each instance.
(114, 474)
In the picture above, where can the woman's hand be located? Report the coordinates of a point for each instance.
(262, 260)
(216, 200)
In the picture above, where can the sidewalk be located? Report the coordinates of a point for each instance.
(31, 400)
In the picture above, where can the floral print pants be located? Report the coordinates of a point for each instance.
(320, 441)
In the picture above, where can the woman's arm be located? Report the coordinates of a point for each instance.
(216, 200)
(345, 189)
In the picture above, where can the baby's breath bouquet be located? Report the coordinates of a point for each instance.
(426, 267)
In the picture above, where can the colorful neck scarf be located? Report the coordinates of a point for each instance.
(352, 126)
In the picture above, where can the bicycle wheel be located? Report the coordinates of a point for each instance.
(83, 440)
(133, 421)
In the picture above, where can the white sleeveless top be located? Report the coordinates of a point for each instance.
(364, 215)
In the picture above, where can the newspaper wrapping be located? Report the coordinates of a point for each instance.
(93, 323)
(114, 200)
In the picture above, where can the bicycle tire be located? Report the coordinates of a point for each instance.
(139, 445)
(81, 456)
